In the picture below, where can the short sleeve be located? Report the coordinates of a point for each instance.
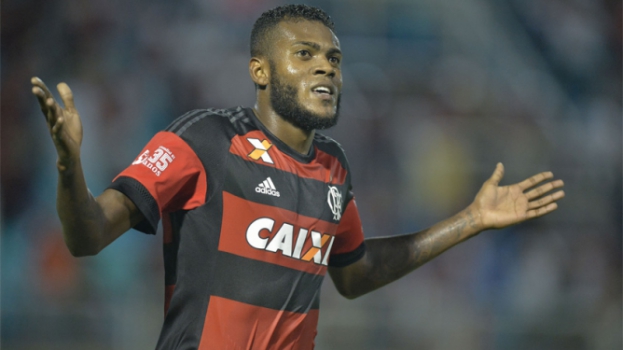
(349, 245)
(167, 176)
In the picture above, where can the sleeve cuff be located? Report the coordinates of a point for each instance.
(345, 259)
(143, 200)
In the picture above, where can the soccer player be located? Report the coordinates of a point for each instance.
(255, 205)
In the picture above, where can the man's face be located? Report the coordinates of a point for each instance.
(305, 75)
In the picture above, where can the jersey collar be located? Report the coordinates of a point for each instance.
(282, 146)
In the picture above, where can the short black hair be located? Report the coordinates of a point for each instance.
(269, 19)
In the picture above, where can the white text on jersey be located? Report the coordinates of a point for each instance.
(159, 160)
(267, 187)
(283, 240)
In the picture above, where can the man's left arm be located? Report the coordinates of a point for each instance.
(388, 258)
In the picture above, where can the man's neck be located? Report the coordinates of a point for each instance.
(299, 140)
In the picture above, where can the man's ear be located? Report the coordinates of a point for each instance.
(259, 71)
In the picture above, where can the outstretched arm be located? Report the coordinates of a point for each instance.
(89, 223)
(389, 258)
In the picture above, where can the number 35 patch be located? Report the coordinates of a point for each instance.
(156, 162)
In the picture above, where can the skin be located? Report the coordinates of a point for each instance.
(304, 54)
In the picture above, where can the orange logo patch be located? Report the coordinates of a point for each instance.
(261, 150)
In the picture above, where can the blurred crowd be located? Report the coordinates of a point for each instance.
(435, 94)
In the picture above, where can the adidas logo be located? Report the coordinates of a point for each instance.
(267, 187)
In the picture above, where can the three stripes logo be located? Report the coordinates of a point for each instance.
(261, 150)
(267, 187)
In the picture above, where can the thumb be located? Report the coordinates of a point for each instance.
(498, 174)
(66, 96)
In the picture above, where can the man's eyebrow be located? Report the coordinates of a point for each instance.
(333, 51)
(316, 46)
(308, 43)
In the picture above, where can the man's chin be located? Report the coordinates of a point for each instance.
(324, 116)
(309, 121)
(322, 113)
(307, 114)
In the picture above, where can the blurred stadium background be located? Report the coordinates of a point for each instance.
(436, 92)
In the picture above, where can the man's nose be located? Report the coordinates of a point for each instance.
(325, 68)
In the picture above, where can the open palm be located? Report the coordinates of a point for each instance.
(501, 206)
(63, 122)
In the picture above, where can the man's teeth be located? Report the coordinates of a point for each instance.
(322, 90)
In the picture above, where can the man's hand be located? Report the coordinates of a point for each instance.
(501, 206)
(64, 123)
(89, 224)
(389, 258)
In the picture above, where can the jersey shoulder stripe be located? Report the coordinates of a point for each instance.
(236, 117)
(209, 133)
(174, 126)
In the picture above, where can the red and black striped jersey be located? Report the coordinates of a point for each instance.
(249, 226)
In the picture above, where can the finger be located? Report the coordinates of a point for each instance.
(40, 84)
(57, 128)
(546, 200)
(541, 190)
(61, 145)
(498, 174)
(40, 97)
(530, 214)
(52, 111)
(66, 95)
(534, 180)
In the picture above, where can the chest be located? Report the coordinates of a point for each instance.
(276, 205)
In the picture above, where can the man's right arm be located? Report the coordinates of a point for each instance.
(89, 223)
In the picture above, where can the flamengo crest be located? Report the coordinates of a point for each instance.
(334, 198)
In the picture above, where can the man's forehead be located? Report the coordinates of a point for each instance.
(297, 31)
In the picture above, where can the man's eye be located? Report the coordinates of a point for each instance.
(304, 53)
(335, 60)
